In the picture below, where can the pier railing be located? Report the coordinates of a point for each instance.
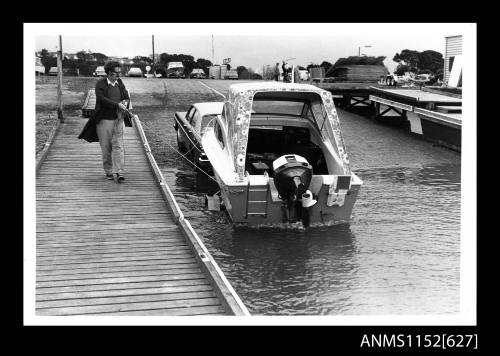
(232, 303)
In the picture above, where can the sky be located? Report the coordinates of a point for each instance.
(250, 45)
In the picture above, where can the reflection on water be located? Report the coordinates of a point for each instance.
(400, 254)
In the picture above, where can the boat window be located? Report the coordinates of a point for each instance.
(219, 134)
(318, 110)
(193, 117)
(190, 113)
(281, 107)
(317, 114)
(206, 120)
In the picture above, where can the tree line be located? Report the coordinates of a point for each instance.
(86, 63)
(428, 62)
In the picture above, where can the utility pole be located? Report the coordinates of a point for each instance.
(59, 82)
(154, 68)
(213, 50)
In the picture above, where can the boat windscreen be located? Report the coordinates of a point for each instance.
(205, 121)
(281, 107)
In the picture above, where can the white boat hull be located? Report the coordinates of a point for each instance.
(271, 213)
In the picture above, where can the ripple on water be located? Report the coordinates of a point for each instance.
(400, 254)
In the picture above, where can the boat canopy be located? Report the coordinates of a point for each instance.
(238, 109)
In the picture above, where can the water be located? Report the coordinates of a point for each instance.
(400, 254)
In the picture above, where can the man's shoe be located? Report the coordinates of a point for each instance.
(119, 178)
(109, 176)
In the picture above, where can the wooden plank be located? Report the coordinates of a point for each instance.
(66, 262)
(124, 299)
(76, 246)
(91, 214)
(170, 267)
(107, 238)
(124, 307)
(119, 280)
(204, 310)
(102, 252)
(119, 274)
(88, 220)
(104, 235)
(103, 287)
(135, 263)
(116, 256)
(128, 226)
(70, 247)
(123, 292)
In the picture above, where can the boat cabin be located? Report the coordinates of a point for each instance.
(275, 138)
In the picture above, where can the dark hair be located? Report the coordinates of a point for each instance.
(111, 65)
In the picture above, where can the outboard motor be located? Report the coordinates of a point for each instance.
(292, 176)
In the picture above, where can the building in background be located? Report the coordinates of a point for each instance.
(452, 50)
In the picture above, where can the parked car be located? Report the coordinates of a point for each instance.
(53, 71)
(190, 126)
(99, 72)
(135, 72)
(176, 74)
(197, 73)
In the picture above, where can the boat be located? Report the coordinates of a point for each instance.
(278, 156)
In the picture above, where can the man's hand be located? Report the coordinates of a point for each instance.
(122, 107)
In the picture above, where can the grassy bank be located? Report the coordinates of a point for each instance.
(74, 91)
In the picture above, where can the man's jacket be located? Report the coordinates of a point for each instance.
(104, 107)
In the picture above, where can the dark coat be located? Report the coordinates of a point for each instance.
(104, 107)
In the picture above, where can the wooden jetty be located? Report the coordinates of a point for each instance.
(416, 97)
(104, 248)
(435, 116)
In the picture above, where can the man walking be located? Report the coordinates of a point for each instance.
(111, 104)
